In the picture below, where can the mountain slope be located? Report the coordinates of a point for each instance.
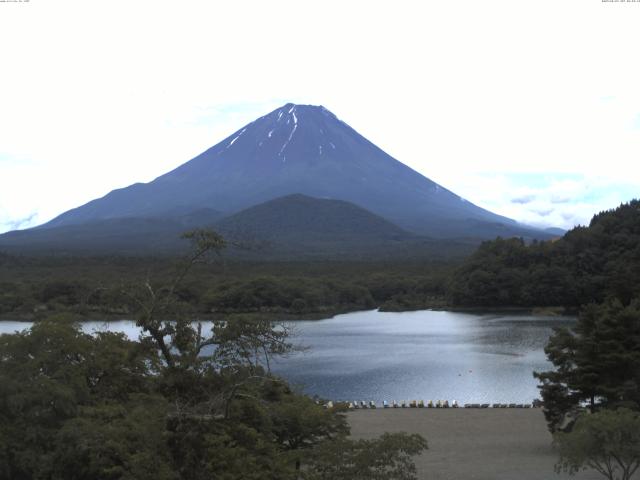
(301, 149)
(293, 227)
(298, 226)
(301, 216)
(130, 235)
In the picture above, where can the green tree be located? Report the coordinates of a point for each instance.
(607, 441)
(299, 424)
(123, 440)
(55, 382)
(389, 457)
(597, 362)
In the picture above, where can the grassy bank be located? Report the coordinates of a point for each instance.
(486, 444)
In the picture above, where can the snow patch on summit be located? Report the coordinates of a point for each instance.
(295, 126)
(236, 138)
(288, 139)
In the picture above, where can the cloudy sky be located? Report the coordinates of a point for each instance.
(529, 108)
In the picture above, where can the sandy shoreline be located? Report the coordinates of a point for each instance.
(479, 444)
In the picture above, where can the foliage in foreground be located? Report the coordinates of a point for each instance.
(389, 457)
(81, 406)
(607, 441)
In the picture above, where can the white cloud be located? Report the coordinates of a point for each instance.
(549, 199)
(96, 96)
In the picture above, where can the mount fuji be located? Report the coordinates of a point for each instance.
(296, 149)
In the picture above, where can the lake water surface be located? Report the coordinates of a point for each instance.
(410, 355)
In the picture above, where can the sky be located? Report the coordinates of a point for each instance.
(530, 109)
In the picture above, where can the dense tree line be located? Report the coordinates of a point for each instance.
(588, 264)
(295, 295)
(36, 287)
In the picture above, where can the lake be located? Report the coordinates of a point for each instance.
(373, 355)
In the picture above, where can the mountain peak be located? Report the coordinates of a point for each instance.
(294, 131)
(305, 149)
(299, 109)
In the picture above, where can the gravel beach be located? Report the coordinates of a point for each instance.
(479, 444)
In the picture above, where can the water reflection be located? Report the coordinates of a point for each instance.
(426, 354)
(430, 355)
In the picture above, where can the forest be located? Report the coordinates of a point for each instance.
(588, 264)
(32, 288)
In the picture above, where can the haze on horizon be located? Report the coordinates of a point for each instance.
(530, 110)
